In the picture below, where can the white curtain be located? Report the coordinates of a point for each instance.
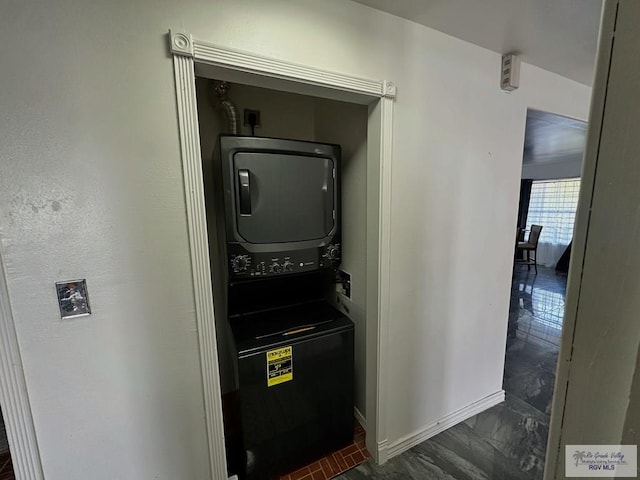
(553, 205)
(549, 253)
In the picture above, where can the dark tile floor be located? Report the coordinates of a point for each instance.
(507, 441)
(6, 468)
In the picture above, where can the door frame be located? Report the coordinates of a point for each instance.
(188, 54)
(14, 399)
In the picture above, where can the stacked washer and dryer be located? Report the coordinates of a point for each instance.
(293, 351)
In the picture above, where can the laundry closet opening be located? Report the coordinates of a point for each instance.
(269, 113)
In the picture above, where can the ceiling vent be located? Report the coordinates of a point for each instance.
(510, 72)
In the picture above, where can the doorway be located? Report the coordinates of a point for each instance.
(551, 168)
(192, 58)
(307, 118)
(552, 162)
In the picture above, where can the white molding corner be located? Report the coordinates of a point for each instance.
(180, 43)
(389, 89)
(405, 443)
(14, 398)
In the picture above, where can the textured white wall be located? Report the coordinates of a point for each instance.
(92, 187)
(346, 124)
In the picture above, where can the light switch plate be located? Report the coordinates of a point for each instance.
(73, 298)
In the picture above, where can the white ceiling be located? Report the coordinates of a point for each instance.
(553, 138)
(557, 35)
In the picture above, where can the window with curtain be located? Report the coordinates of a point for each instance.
(553, 205)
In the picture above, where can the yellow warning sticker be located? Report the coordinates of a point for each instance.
(279, 366)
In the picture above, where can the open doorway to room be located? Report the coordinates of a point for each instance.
(552, 161)
(6, 467)
(550, 185)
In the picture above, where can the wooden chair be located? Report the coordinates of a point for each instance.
(531, 245)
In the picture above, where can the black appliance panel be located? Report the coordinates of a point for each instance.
(244, 263)
(285, 426)
(260, 295)
(283, 197)
(281, 205)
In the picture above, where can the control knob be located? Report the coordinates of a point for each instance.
(275, 267)
(333, 252)
(240, 263)
(287, 266)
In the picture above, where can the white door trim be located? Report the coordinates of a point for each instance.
(187, 52)
(16, 409)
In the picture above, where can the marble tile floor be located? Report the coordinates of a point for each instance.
(509, 440)
(6, 468)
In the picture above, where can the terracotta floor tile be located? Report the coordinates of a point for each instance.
(335, 463)
(326, 467)
(299, 474)
(349, 461)
(349, 450)
(319, 476)
(340, 461)
(358, 457)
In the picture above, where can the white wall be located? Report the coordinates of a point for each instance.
(92, 187)
(346, 124)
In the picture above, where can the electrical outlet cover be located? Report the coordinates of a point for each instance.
(247, 112)
(73, 298)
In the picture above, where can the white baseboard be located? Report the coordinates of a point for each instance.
(380, 451)
(383, 452)
(405, 443)
(360, 418)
